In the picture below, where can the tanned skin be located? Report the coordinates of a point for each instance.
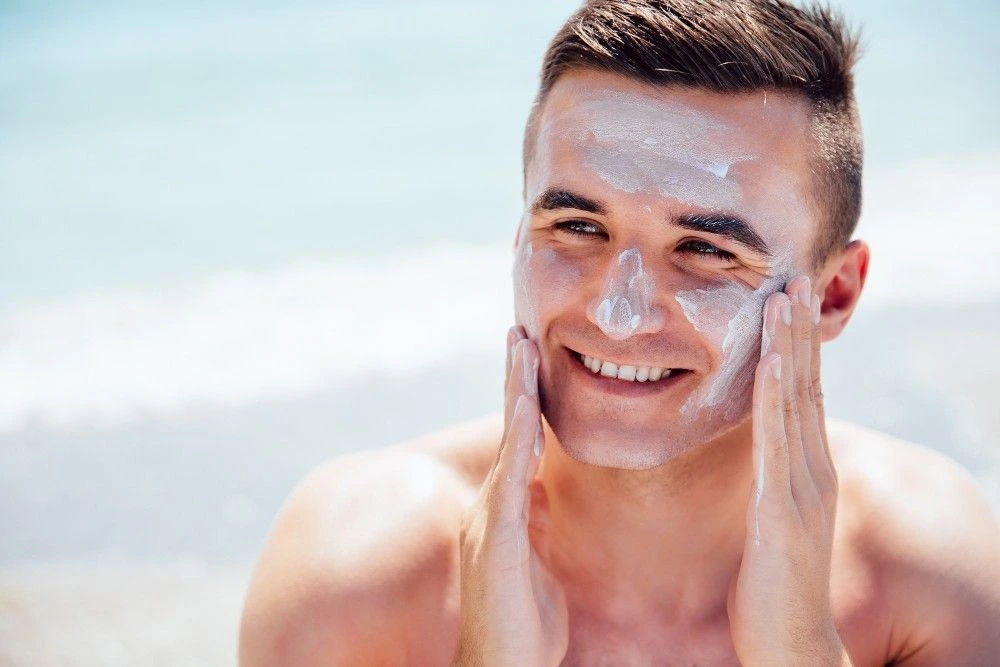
(792, 540)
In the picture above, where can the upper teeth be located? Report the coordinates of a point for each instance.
(626, 372)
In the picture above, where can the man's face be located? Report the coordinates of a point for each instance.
(657, 222)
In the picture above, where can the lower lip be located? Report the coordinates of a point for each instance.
(626, 388)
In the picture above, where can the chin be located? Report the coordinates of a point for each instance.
(613, 436)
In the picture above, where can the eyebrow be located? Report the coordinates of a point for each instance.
(727, 226)
(555, 199)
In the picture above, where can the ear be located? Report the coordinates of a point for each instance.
(840, 283)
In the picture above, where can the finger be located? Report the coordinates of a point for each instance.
(782, 344)
(806, 342)
(522, 377)
(800, 291)
(817, 340)
(828, 483)
(770, 445)
(521, 380)
(508, 488)
(508, 400)
(514, 334)
(817, 384)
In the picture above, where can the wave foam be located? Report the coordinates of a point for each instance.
(105, 358)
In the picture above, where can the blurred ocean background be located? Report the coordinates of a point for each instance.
(239, 238)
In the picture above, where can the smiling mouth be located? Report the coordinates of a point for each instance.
(626, 372)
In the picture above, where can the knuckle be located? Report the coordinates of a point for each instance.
(803, 386)
(780, 444)
(816, 390)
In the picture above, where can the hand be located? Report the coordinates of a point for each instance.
(779, 603)
(513, 611)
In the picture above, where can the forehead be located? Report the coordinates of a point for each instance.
(748, 152)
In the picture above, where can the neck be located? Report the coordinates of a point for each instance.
(667, 540)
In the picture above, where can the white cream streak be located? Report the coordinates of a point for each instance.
(705, 309)
(684, 159)
(524, 301)
(733, 315)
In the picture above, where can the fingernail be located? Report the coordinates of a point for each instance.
(539, 441)
(776, 368)
(805, 291)
(786, 311)
(815, 309)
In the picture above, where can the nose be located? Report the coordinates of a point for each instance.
(626, 305)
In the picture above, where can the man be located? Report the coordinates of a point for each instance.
(667, 489)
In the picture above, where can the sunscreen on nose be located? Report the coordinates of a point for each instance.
(625, 304)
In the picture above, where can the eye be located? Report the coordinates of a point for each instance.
(580, 228)
(704, 248)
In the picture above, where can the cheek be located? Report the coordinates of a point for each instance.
(544, 284)
(729, 318)
(714, 312)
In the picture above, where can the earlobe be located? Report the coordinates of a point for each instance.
(843, 279)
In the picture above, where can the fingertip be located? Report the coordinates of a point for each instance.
(799, 288)
(778, 306)
(785, 309)
(767, 363)
(775, 366)
(512, 338)
(518, 352)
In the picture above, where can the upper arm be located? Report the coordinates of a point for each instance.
(357, 559)
(945, 568)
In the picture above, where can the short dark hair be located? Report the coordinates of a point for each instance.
(732, 46)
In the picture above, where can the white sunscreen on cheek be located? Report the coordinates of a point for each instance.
(626, 302)
(731, 315)
(544, 282)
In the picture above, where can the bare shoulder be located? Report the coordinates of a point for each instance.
(928, 544)
(362, 561)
